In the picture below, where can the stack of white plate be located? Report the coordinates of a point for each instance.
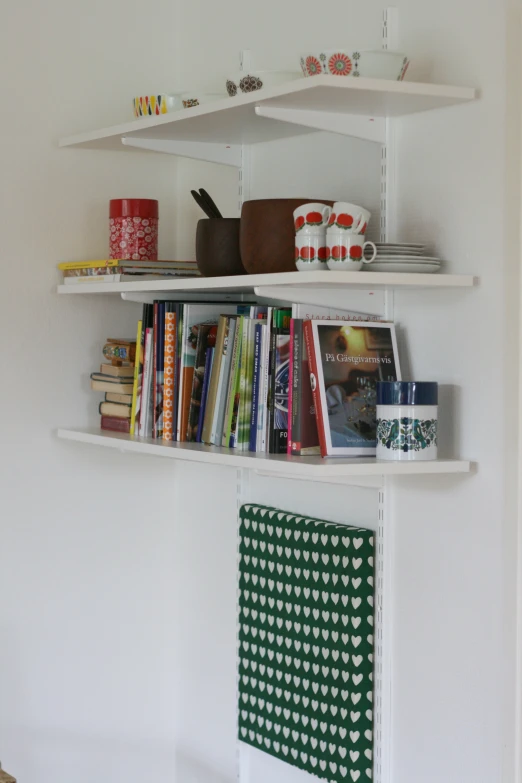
(403, 257)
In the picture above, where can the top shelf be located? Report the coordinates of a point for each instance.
(355, 107)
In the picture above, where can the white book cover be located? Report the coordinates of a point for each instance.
(263, 390)
(145, 428)
(266, 438)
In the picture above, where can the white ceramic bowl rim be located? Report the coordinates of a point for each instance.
(174, 94)
(341, 49)
(253, 72)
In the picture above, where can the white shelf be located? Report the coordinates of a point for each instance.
(215, 131)
(367, 471)
(277, 286)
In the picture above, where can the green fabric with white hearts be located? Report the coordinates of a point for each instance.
(306, 642)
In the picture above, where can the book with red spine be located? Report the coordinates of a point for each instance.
(291, 379)
(154, 366)
(312, 365)
(115, 424)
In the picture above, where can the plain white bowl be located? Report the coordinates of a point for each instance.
(252, 81)
(372, 64)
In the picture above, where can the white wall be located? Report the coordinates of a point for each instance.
(454, 630)
(457, 177)
(117, 576)
(88, 649)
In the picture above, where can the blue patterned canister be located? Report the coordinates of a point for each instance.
(407, 420)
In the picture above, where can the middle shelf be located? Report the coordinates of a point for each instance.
(243, 330)
(367, 471)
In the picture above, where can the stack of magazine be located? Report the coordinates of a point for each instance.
(124, 270)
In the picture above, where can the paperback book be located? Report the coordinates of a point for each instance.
(303, 438)
(158, 368)
(169, 370)
(279, 380)
(347, 359)
(206, 340)
(209, 359)
(232, 395)
(135, 410)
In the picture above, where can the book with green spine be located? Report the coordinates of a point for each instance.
(221, 397)
(233, 382)
(245, 385)
(214, 381)
(279, 372)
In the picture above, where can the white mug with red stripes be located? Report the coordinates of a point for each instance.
(346, 252)
(348, 218)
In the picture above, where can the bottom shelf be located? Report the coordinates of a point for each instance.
(367, 470)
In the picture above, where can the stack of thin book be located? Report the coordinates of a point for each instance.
(116, 380)
(124, 270)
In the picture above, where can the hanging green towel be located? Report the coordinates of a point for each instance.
(306, 642)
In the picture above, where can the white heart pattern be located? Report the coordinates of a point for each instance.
(293, 621)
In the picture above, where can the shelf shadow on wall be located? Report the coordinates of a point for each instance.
(190, 770)
(450, 405)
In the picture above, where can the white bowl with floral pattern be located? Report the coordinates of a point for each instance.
(370, 64)
(251, 81)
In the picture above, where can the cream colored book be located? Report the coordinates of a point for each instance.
(115, 409)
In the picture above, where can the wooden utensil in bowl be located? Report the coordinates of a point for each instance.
(267, 235)
(217, 247)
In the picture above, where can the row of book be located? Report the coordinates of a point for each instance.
(238, 376)
(124, 270)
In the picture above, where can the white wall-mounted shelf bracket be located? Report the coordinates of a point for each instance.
(368, 301)
(363, 482)
(355, 125)
(233, 297)
(226, 154)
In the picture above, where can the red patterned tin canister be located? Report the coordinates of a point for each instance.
(134, 228)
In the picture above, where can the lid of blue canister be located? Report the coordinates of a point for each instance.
(407, 393)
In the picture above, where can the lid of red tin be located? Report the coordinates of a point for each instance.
(133, 207)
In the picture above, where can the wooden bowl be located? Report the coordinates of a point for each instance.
(217, 247)
(267, 235)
